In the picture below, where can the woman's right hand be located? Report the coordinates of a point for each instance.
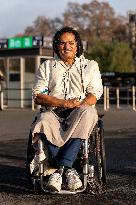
(72, 103)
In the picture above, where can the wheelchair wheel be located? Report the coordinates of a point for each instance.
(34, 178)
(29, 158)
(100, 154)
(96, 180)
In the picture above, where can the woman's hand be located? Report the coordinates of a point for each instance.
(90, 99)
(72, 103)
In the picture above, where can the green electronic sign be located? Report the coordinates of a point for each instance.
(15, 42)
(27, 42)
(20, 42)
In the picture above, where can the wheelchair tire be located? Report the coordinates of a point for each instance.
(29, 158)
(100, 154)
(103, 156)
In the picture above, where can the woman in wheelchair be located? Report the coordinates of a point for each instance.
(67, 87)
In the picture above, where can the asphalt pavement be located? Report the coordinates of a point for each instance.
(120, 143)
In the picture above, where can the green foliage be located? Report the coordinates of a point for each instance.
(122, 60)
(101, 52)
(112, 56)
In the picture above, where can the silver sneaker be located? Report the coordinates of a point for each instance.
(73, 180)
(55, 182)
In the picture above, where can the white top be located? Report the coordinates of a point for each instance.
(56, 79)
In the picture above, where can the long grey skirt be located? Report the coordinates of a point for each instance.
(79, 124)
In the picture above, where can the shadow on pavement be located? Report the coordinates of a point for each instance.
(12, 166)
(120, 155)
(120, 160)
(13, 180)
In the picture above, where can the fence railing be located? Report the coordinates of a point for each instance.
(117, 96)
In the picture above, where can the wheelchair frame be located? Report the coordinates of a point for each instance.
(91, 157)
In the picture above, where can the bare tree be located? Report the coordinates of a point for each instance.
(94, 20)
(29, 31)
(56, 24)
(120, 32)
(44, 26)
(41, 26)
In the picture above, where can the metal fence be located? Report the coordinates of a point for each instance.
(117, 96)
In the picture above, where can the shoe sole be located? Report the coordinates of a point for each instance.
(75, 188)
(53, 188)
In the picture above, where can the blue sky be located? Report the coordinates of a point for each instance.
(16, 15)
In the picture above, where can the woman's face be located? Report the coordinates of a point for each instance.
(67, 46)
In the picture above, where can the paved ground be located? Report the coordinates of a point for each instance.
(120, 142)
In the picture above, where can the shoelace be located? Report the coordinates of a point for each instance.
(72, 172)
(72, 175)
(56, 176)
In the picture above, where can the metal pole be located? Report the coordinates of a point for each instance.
(104, 97)
(108, 99)
(1, 98)
(7, 81)
(32, 103)
(117, 95)
(22, 68)
(1, 101)
(133, 98)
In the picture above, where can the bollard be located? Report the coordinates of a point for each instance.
(33, 104)
(133, 98)
(117, 95)
(108, 99)
(104, 97)
(1, 101)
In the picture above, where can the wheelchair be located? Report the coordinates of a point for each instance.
(90, 164)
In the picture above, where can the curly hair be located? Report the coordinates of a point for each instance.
(56, 40)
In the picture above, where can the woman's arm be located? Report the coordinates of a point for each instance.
(90, 99)
(51, 101)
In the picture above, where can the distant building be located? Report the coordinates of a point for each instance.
(19, 59)
(132, 31)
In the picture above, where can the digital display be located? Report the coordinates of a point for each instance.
(26, 42)
(20, 42)
(3, 43)
(15, 42)
(37, 41)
